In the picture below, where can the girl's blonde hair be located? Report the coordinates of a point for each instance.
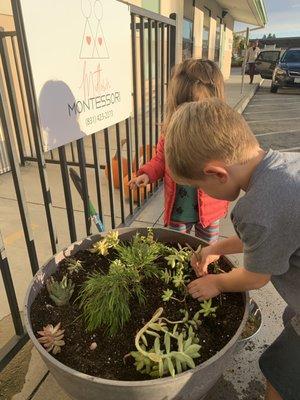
(192, 80)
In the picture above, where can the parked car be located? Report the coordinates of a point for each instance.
(267, 61)
(287, 70)
(283, 67)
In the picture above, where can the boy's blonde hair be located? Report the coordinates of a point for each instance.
(192, 80)
(206, 131)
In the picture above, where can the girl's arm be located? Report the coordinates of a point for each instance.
(155, 168)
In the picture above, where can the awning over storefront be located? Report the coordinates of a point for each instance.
(251, 12)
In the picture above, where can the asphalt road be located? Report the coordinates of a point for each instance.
(275, 118)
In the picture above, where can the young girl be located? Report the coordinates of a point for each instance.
(185, 206)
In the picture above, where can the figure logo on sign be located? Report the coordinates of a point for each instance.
(93, 45)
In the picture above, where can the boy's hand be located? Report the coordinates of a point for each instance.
(139, 181)
(204, 288)
(201, 261)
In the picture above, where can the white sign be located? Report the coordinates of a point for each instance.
(80, 55)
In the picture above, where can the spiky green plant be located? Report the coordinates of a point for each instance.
(60, 292)
(104, 299)
(207, 309)
(52, 338)
(170, 353)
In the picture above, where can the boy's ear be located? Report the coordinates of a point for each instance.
(217, 171)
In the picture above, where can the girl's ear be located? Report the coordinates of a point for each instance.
(216, 171)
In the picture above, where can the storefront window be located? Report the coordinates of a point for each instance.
(187, 45)
(218, 39)
(152, 5)
(206, 32)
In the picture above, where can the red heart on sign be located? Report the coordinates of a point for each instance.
(88, 39)
(100, 40)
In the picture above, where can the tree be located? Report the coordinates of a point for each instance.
(264, 37)
(239, 44)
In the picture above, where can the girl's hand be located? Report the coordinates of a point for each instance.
(204, 288)
(200, 261)
(139, 181)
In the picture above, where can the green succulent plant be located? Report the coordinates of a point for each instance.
(111, 240)
(60, 292)
(171, 353)
(167, 295)
(165, 276)
(73, 265)
(207, 309)
(179, 269)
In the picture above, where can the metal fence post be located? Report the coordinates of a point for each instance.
(245, 61)
(173, 41)
(24, 214)
(27, 73)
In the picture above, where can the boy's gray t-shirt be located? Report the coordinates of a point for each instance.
(267, 219)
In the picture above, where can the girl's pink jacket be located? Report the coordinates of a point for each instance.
(209, 209)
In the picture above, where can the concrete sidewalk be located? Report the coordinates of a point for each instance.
(33, 381)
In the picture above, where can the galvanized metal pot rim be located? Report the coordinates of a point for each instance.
(112, 382)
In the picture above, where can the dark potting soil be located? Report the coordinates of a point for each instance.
(107, 360)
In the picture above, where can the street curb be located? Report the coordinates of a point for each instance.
(242, 104)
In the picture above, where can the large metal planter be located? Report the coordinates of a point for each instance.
(190, 385)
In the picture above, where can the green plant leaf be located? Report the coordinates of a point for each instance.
(161, 368)
(167, 342)
(154, 357)
(187, 343)
(157, 345)
(171, 367)
(144, 339)
(178, 366)
(180, 342)
(155, 326)
(192, 350)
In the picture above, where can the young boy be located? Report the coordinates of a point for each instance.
(210, 146)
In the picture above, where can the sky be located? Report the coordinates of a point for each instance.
(283, 19)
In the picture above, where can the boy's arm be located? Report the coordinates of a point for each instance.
(231, 245)
(238, 280)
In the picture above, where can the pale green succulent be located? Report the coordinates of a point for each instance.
(167, 295)
(207, 309)
(171, 352)
(165, 276)
(111, 240)
(73, 265)
(60, 292)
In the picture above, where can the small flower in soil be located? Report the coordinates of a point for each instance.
(60, 292)
(52, 338)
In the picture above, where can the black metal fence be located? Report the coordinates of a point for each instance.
(133, 140)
